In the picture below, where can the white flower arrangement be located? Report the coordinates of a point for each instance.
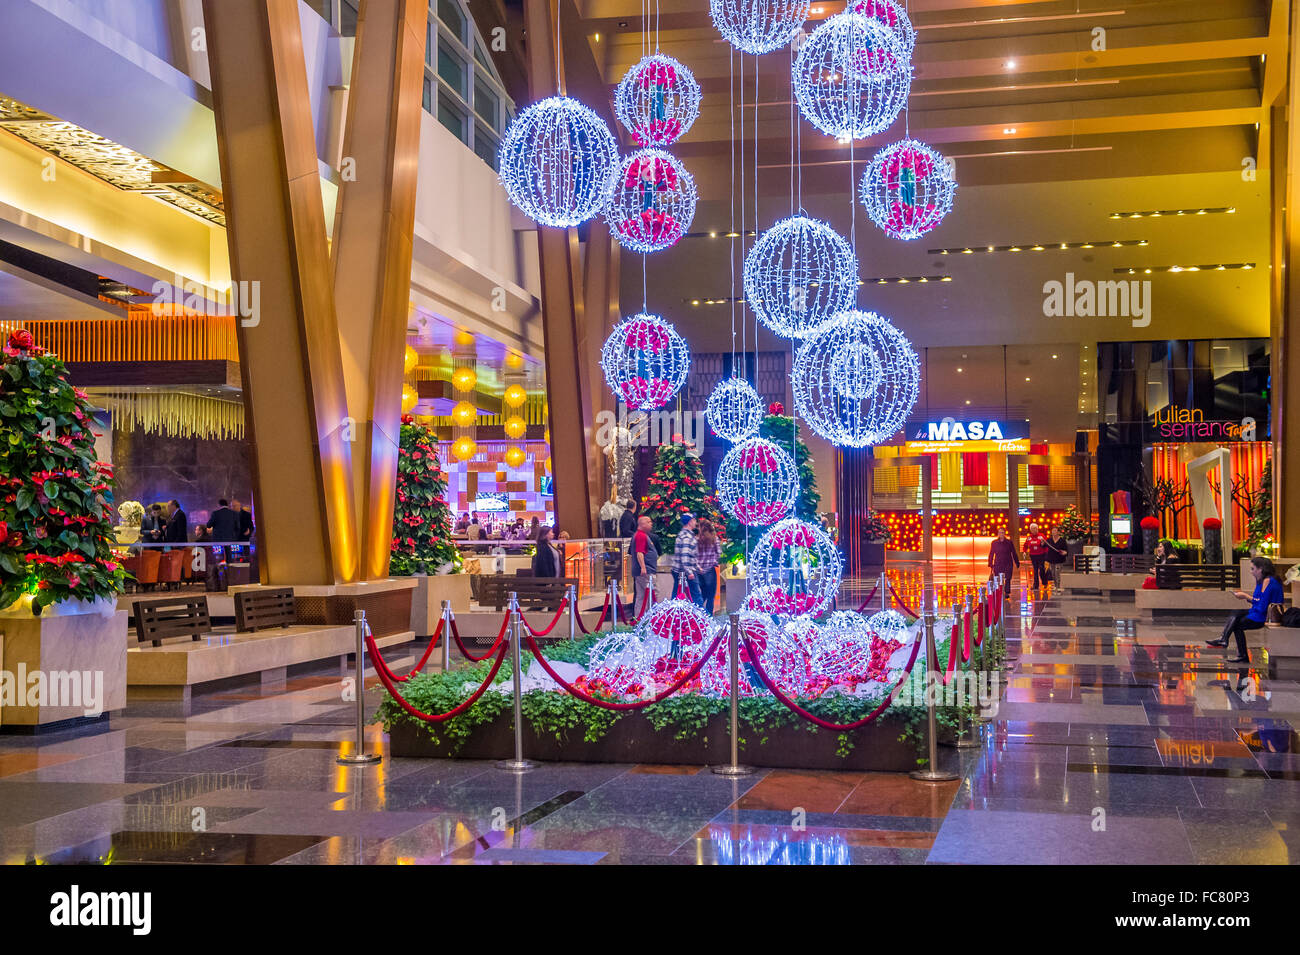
(132, 512)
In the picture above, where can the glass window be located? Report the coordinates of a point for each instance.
(429, 33)
(322, 9)
(428, 95)
(348, 11)
(485, 144)
(485, 101)
(451, 117)
(452, 69)
(449, 13)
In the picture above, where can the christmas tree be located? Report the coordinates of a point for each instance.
(421, 517)
(1260, 526)
(780, 429)
(56, 498)
(677, 487)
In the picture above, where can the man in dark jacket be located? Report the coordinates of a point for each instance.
(178, 531)
(223, 524)
(1003, 556)
(245, 521)
(627, 520)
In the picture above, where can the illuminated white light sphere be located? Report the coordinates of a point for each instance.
(758, 26)
(757, 483)
(799, 275)
(801, 565)
(831, 394)
(652, 202)
(645, 361)
(851, 78)
(907, 189)
(735, 409)
(623, 661)
(658, 100)
(890, 15)
(847, 620)
(889, 624)
(715, 676)
(556, 162)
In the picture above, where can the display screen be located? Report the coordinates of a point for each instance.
(1121, 524)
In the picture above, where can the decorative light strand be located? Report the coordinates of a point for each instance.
(652, 203)
(734, 410)
(800, 274)
(851, 79)
(657, 100)
(757, 483)
(645, 362)
(758, 27)
(907, 190)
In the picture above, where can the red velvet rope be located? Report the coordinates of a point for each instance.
(639, 704)
(966, 647)
(645, 605)
(382, 670)
(910, 611)
(953, 639)
(501, 635)
(866, 600)
(603, 611)
(812, 717)
(428, 652)
(549, 627)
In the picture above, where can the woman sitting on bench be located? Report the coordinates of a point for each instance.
(1164, 554)
(1268, 590)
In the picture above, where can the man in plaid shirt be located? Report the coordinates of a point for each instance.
(686, 565)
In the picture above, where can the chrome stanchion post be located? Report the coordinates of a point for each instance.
(965, 731)
(649, 593)
(360, 757)
(931, 774)
(446, 635)
(734, 768)
(573, 613)
(515, 632)
(884, 592)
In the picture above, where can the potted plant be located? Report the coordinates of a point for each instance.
(422, 546)
(1150, 532)
(875, 535)
(1212, 540)
(58, 579)
(132, 513)
(1076, 531)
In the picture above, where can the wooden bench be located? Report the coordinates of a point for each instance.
(1197, 577)
(158, 620)
(264, 608)
(1114, 563)
(535, 593)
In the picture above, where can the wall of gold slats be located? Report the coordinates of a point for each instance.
(145, 338)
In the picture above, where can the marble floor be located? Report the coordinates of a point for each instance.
(1115, 742)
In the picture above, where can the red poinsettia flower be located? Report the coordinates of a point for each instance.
(21, 340)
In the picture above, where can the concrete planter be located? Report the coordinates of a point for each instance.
(80, 657)
(427, 598)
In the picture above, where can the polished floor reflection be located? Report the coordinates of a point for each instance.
(1115, 742)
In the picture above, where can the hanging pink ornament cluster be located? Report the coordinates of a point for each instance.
(653, 201)
(907, 189)
(657, 100)
(645, 361)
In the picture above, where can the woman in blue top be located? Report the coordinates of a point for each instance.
(1268, 590)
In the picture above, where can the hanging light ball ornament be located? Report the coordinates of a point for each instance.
(851, 78)
(799, 275)
(657, 100)
(464, 414)
(515, 456)
(410, 358)
(758, 26)
(800, 565)
(842, 394)
(653, 201)
(684, 629)
(889, 624)
(464, 378)
(907, 189)
(888, 14)
(735, 409)
(514, 396)
(645, 361)
(556, 162)
(464, 448)
(757, 483)
(515, 427)
(410, 397)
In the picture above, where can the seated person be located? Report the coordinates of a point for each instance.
(1268, 591)
(1164, 554)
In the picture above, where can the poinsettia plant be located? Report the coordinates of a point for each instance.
(421, 518)
(56, 497)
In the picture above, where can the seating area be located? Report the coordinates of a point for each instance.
(535, 593)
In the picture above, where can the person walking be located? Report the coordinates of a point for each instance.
(645, 561)
(546, 559)
(1268, 591)
(627, 520)
(1058, 552)
(686, 563)
(1003, 557)
(1036, 549)
(223, 524)
(708, 551)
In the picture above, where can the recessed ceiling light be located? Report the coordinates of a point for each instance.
(1008, 130)
(1011, 64)
(967, 401)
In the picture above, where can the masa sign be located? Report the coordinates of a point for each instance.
(953, 435)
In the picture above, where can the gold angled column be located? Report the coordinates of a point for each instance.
(374, 230)
(295, 401)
